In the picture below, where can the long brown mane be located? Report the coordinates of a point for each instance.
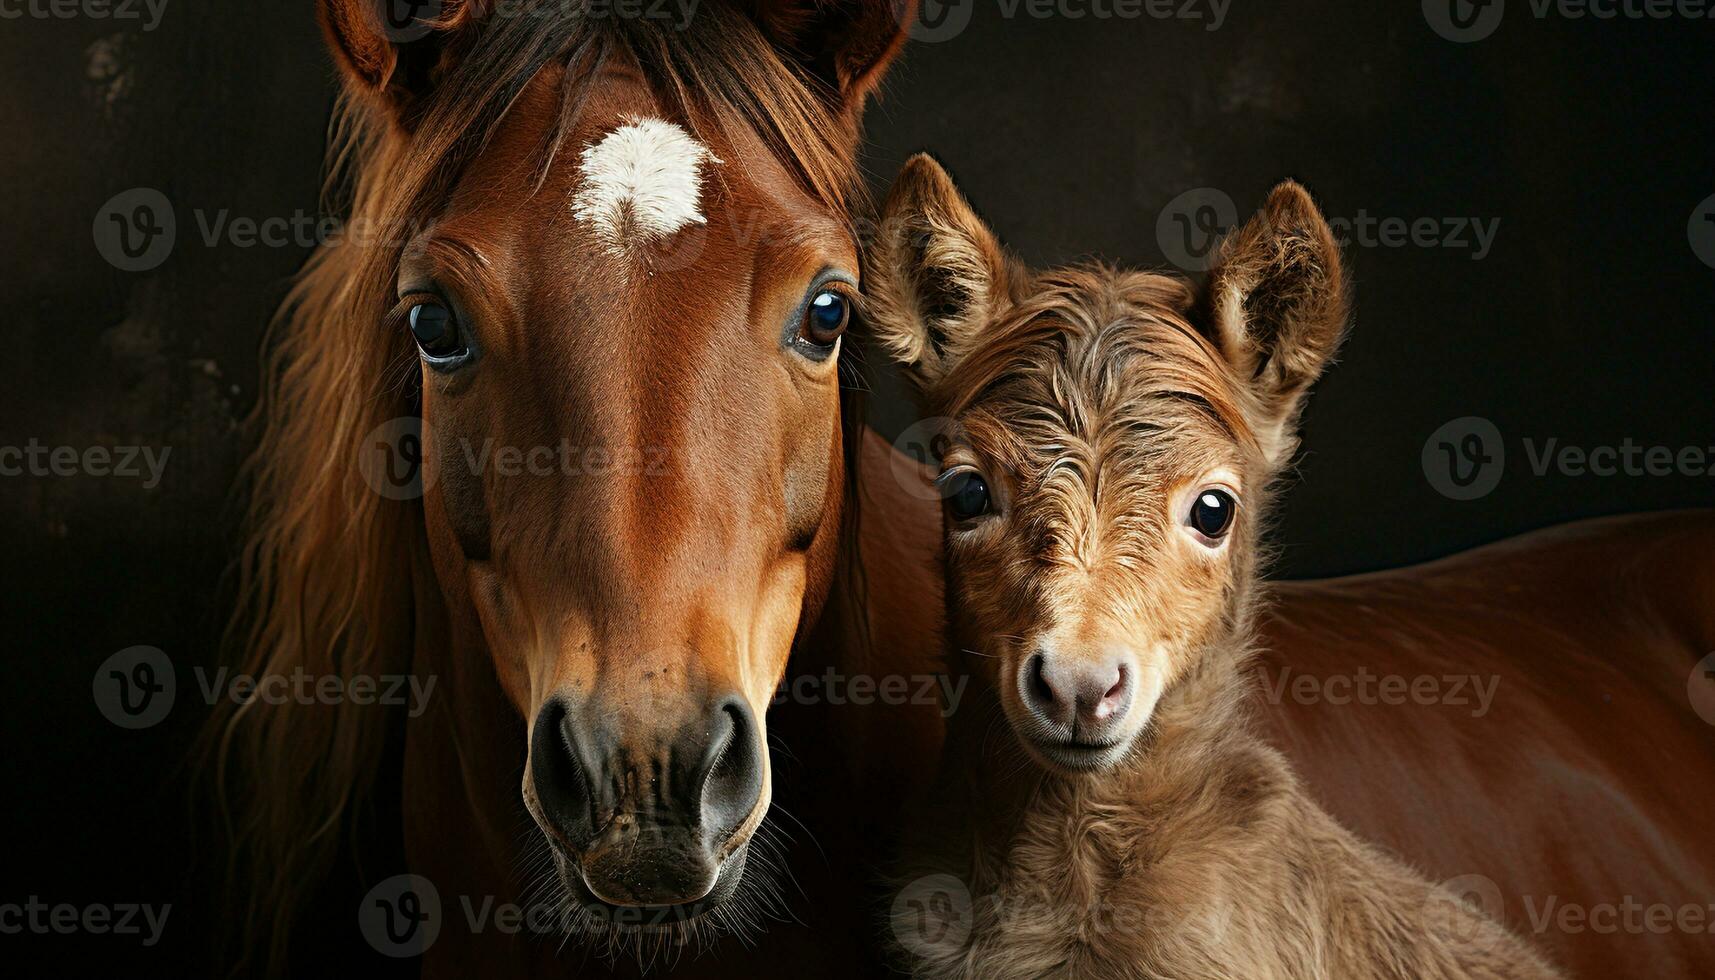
(333, 577)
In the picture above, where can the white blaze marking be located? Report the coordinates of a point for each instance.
(640, 182)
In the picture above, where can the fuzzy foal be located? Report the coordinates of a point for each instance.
(1112, 437)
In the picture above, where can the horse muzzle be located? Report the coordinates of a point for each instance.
(647, 820)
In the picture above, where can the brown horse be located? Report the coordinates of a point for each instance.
(598, 274)
(1520, 722)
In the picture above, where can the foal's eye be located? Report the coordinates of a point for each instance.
(1212, 513)
(436, 330)
(966, 493)
(825, 319)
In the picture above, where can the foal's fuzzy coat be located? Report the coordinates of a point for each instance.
(1097, 405)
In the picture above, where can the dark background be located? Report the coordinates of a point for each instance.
(1589, 320)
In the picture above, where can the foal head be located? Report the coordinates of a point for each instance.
(615, 266)
(1113, 436)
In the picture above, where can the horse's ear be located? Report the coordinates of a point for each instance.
(395, 50)
(848, 44)
(935, 275)
(1276, 305)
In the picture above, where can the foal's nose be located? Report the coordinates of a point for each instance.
(646, 813)
(1086, 696)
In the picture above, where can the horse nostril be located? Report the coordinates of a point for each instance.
(731, 778)
(1041, 692)
(559, 774)
(1038, 684)
(1114, 699)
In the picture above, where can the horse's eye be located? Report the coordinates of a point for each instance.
(1212, 513)
(436, 330)
(966, 493)
(825, 319)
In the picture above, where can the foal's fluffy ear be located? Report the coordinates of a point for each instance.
(936, 275)
(1276, 305)
(848, 44)
(395, 51)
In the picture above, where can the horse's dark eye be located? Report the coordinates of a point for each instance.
(436, 330)
(825, 318)
(1212, 512)
(966, 494)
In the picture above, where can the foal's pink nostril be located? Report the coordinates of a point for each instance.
(1114, 699)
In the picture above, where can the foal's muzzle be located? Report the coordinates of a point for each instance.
(647, 819)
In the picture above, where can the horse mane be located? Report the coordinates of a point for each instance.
(333, 579)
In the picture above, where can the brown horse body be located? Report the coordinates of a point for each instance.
(1575, 805)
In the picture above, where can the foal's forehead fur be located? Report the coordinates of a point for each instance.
(1099, 375)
